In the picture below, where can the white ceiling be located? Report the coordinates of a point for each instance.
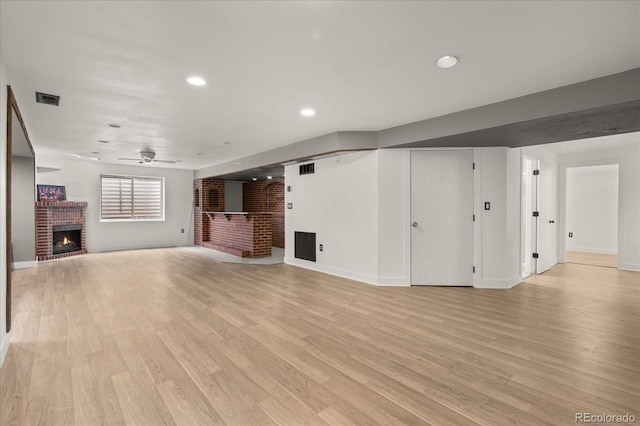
(361, 65)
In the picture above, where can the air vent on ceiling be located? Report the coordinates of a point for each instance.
(307, 169)
(43, 98)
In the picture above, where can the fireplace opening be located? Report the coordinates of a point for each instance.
(67, 238)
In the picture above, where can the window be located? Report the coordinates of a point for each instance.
(125, 198)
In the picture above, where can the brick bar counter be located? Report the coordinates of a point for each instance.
(238, 233)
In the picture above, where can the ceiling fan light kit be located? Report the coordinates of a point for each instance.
(148, 157)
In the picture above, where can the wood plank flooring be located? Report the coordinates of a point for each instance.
(595, 259)
(166, 336)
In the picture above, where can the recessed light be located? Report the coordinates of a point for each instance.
(103, 141)
(269, 177)
(196, 81)
(447, 61)
(115, 126)
(307, 112)
(254, 178)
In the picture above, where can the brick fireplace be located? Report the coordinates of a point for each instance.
(60, 229)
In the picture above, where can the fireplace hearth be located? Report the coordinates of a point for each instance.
(67, 238)
(60, 229)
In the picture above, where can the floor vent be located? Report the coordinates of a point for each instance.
(43, 98)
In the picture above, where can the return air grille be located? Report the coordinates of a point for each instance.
(307, 169)
(305, 246)
(43, 98)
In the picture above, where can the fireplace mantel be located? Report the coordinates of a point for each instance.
(56, 213)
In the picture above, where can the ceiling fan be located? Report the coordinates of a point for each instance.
(148, 157)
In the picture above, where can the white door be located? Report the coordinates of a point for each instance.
(546, 226)
(442, 217)
(529, 222)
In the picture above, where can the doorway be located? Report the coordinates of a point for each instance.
(591, 235)
(20, 196)
(442, 217)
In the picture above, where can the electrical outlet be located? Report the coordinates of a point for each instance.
(182, 231)
(321, 247)
(487, 205)
(570, 234)
(289, 206)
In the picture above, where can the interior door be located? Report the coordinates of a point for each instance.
(442, 217)
(546, 227)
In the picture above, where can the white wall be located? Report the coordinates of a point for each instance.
(232, 196)
(23, 234)
(394, 216)
(592, 209)
(513, 272)
(82, 181)
(628, 160)
(498, 229)
(4, 337)
(339, 202)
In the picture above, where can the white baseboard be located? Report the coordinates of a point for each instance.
(629, 267)
(368, 279)
(592, 250)
(500, 284)
(24, 265)
(4, 347)
(393, 282)
(109, 249)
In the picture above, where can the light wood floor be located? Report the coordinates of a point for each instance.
(595, 259)
(169, 337)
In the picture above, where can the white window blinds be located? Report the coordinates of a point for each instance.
(132, 198)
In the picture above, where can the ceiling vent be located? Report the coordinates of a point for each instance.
(43, 98)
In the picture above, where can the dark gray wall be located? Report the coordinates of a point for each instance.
(23, 235)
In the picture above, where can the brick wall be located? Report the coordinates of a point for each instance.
(267, 196)
(240, 235)
(53, 213)
(208, 196)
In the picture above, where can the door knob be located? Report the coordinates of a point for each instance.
(552, 221)
(414, 224)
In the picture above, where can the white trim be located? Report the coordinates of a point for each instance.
(629, 267)
(4, 347)
(306, 264)
(393, 282)
(592, 250)
(500, 284)
(25, 265)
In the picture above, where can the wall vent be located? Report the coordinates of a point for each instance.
(43, 98)
(307, 169)
(305, 245)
